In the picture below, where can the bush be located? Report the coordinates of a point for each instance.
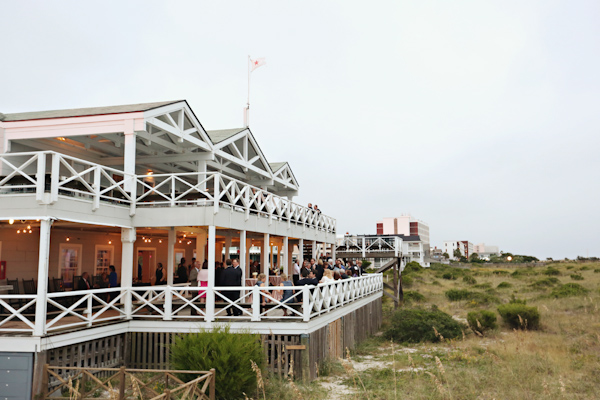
(577, 277)
(449, 276)
(551, 271)
(475, 298)
(413, 266)
(416, 325)
(229, 354)
(500, 272)
(504, 285)
(584, 268)
(524, 272)
(407, 281)
(412, 296)
(486, 285)
(520, 316)
(546, 282)
(597, 270)
(569, 290)
(469, 280)
(365, 264)
(482, 321)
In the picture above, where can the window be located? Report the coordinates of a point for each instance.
(69, 262)
(104, 258)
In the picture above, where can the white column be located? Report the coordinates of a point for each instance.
(227, 247)
(129, 158)
(363, 248)
(201, 246)
(301, 252)
(314, 250)
(127, 239)
(210, 294)
(285, 257)
(171, 255)
(247, 255)
(242, 259)
(264, 254)
(202, 174)
(290, 266)
(333, 246)
(42, 283)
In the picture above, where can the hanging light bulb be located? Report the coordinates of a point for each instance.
(110, 242)
(30, 231)
(11, 221)
(28, 226)
(68, 238)
(18, 231)
(159, 240)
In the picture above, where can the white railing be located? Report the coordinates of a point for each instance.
(84, 309)
(366, 244)
(50, 175)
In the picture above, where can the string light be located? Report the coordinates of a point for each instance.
(11, 221)
(18, 231)
(68, 238)
(110, 242)
(30, 231)
(159, 240)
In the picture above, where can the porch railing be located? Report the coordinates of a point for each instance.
(51, 175)
(84, 309)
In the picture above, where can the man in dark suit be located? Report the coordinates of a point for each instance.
(308, 278)
(84, 282)
(232, 276)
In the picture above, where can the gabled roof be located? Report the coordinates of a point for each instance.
(219, 135)
(81, 112)
(275, 166)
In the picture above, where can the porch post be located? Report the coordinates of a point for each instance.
(129, 158)
(127, 239)
(171, 255)
(301, 252)
(42, 283)
(285, 257)
(201, 246)
(265, 257)
(242, 258)
(333, 246)
(314, 249)
(247, 255)
(227, 247)
(210, 293)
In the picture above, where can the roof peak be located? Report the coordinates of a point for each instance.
(81, 112)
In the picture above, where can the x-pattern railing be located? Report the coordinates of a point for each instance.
(74, 177)
(77, 309)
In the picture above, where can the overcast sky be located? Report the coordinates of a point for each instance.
(480, 118)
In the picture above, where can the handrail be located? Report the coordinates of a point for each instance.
(83, 309)
(71, 176)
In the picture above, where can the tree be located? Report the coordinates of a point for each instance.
(474, 258)
(446, 256)
(457, 253)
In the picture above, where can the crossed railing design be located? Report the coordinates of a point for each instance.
(81, 309)
(50, 175)
(126, 383)
(359, 244)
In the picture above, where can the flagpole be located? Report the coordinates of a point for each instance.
(247, 114)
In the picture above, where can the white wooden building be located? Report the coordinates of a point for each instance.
(82, 189)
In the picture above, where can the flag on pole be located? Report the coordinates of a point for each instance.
(257, 62)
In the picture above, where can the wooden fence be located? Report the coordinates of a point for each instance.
(122, 383)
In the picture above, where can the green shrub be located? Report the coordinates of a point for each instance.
(504, 285)
(469, 280)
(449, 276)
(475, 298)
(520, 316)
(551, 271)
(458, 294)
(546, 282)
(482, 320)
(500, 272)
(515, 300)
(412, 266)
(584, 268)
(486, 285)
(568, 290)
(417, 325)
(412, 296)
(436, 283)
(228, 353)
(570, 267)
(365, 264)
(524, 272)
(577, 277)
(407, 281)
(597, 270)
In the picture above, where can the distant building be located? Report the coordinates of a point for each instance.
(485, 252)
(465, 247)
(405, 225)
(436, 254)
